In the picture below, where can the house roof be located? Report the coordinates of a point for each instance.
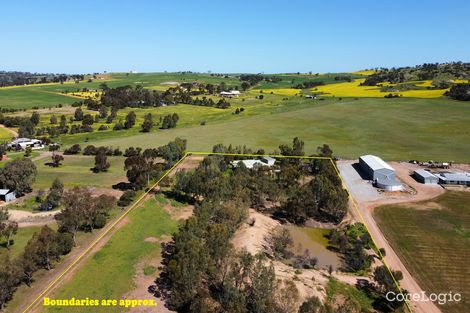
(269, 159)
(375, 163)
(4, 192)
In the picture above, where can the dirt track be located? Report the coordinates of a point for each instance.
(366, 204)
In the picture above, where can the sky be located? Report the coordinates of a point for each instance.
(257, 36)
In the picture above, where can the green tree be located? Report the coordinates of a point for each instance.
(101, 161)
(148, 123)
(19, 175)
(63, 121)
(55, 194)
(280, 242)
(103, 112)
(78, 115)
(35, 118)
(173, 151)
(28, 151)
(88, 120)
(44, 245)
(53, 119)
(57, 159)
(7, 228)
(130, 120)
(9, 279)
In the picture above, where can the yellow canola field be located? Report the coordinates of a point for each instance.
(95, 95)
(352, 89)
(365, 72)
(283, 91)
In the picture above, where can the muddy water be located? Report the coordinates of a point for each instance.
(313, 240)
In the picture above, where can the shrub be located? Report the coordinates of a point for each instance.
(90, 150)
(126, 198)
(75, 149)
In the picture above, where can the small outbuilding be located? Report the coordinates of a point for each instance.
(425, 177)
(7, 195)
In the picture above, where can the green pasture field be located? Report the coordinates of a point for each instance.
(19, 241)
(17, 155)
(76, 171)
(28, 97)
(5, 135)
(433, 243)
(189, 116)
(108, 274)
(395, 129)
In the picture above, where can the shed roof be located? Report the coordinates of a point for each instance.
(425, 174)
(4, 192)
(388, 182)
(455, 176)
(375, 163)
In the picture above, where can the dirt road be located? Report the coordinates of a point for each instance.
(367, 201)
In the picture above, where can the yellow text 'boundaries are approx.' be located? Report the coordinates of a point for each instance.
(125, 303)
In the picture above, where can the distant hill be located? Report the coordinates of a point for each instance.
(442, 74)
(16, 78)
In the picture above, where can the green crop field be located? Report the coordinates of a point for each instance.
(76, 171)
(109, 273)
(395, 129)
(29, 97)
(433, 241)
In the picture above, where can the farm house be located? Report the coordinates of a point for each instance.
(23, 143)
(381, 173)
(230, 94)
(253, 163)
(425, 177)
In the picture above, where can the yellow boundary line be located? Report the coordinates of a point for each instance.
(108, 229)
(137, 202)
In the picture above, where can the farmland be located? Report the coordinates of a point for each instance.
(432, 239)
(109, 273)
(397, 129)
(76, 171)
(353, 89)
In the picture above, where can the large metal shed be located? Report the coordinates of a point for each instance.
(425, 177)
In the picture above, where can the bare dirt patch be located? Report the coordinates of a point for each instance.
(169, 83)
(179, 213)
(151, 239)
(252, 238)
(27, 219)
